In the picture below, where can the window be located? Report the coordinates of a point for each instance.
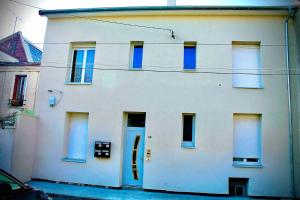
(246, 65)
(19, 91)
(136, 120)
(247, 139)
(238, 186)
(77, 136)
(82, 65)
(189, 55)
(188, 134)
(137, 55)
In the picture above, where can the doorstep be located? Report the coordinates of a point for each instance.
(92, 192)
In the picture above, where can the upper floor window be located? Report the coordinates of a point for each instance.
(189, 56)
(18, 97)
(136, 55)
(82, 65)
(246, 65)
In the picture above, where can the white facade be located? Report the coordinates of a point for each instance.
(164, 92)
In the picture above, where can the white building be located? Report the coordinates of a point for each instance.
(204, 111)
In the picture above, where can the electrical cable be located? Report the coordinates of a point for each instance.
(104, 21)
(168, 71)
(176, 67)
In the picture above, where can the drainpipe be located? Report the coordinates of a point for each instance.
(291, 14)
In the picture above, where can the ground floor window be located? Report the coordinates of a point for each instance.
(188, 130)
(76, 145)
(247, 139)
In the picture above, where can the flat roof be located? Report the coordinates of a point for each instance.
(162, 8)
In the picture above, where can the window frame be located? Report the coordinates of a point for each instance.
(188, 144)
(190, 44)
(132, 46)
(14, 101)
(85, 49)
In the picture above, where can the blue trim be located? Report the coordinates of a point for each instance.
(188, 145)
(74, 160)
(160, 8)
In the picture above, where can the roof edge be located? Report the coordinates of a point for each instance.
(161, 8)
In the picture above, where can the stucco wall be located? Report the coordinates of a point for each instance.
(294, 43)
(7, 80)
(6, 148)
(24, 148)
(164, 96)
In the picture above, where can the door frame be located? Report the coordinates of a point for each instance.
(124, 131)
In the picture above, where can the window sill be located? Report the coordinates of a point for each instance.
(240, 87)
(75, 83)
(187, 145)
(135, 69)
(247, 165)
(189, 70)
(74, 160)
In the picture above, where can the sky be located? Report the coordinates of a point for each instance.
(33, 26)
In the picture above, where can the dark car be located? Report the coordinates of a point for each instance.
(13, 189)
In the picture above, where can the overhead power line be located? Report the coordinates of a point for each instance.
(126, 24)
(105, 21)
(173, 71)
(174, 67)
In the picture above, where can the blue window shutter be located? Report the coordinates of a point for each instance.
(137, 57)
(189, 57)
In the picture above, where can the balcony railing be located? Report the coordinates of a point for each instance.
(16, 102)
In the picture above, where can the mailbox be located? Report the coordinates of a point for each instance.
(102, 149)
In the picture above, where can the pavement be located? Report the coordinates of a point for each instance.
(59, 190)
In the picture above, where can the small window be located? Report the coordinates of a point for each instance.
(82, 65)
(18, 97)
(247, 139)
(136, 120)
(77, 136)
(189, 55)
(238, 186)
(188, 135)
(246, 65)
(137, 55)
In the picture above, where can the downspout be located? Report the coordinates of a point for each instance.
(291, 148)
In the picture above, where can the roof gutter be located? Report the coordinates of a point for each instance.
(161, 8)
(292, 13)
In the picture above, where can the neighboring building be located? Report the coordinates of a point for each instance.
(294, 46)
(19, 72)
(205, 111)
